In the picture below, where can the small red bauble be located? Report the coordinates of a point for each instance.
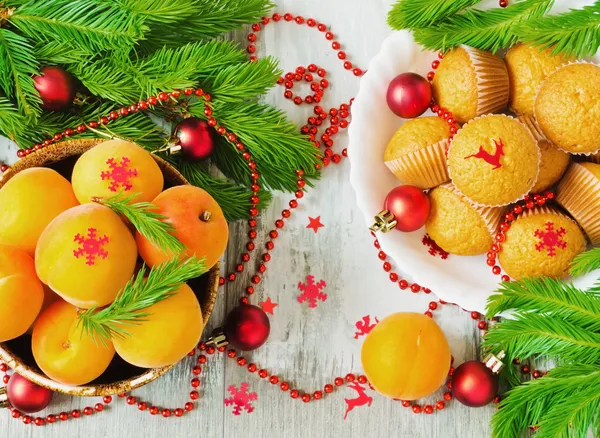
(247, 327)
(409, 95)
(195, 138)
(410, 207)
(26, 396)
(474, 384)
(56, 88)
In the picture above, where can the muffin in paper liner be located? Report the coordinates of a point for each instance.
(491, 179)
(554, 162)
(567, 108)
(579, 194)
(470, 82)
(453, 218)
(595, 158)
(542, 242)
(425, 168)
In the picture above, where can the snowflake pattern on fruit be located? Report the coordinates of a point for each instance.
(364, 326)
(119, 174)
(91, 246)
(434, 248)
(241, 399)
(550, 239)
(311, 292)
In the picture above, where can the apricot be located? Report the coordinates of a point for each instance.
(170, 331)
(406, 356)
(30, 200)
(198, 222)
(21, 293)
(86, 255)
(115, 166)
(63, 351)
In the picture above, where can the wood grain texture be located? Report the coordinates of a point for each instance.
(312, 345)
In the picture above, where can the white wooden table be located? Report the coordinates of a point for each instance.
(309, 346)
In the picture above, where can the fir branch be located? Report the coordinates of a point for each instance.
(274, 142)
(89, 24)
(586, 262)
(60, 52)
(160, 12)
(414, 14)
(575, 33)
(11, 122)
(130, 306)
(487, 30)
(565, 403)
(17, 67)
(234, 200)
(230, 162)
(146, 220)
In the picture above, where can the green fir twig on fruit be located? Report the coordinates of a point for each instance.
(146, 221)
(131, 304)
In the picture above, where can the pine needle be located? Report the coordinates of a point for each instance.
(491, 30)
(160, 12)
(575, 33)
(144, 218)
(586, 262)
(414, 14)
(131, 304)
(10, 119)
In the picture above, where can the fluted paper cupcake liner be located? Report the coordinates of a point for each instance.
(492, 81)
(579, 194)
(492, 216)
(531, 124)
(595, 158)
(425, 168)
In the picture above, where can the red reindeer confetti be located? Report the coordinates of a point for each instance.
(119, 174)
(361, 400)
(241, 399)
(493, 159)
(91, 246)
(311, 292)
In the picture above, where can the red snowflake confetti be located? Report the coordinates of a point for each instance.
(493, 159)
(550, 239)
(241, 399)
(434, 248)
(90, 246)
(119, 174)
(311, 292)
(361, 400)
(315, 223)
(364, 326)
(268, 306)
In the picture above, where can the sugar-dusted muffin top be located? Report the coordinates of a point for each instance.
(567, 108)
(527, 68)
(494, 160)
(416, 134)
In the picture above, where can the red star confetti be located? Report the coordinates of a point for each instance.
(268, 306)
(315, 223)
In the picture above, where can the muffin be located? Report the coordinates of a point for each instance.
(416, 154)
(453, 218)
(527, 68)
(595, 158)
(541, 242)
(567, 108)
(470, 82)
(494, 160)
(553, 163)
(579, 194)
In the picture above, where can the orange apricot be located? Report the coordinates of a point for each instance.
(198, 222)
(169, 332)
(63, 351)
(115, 166)
(30, 200)
(406, 356)
(86, 255)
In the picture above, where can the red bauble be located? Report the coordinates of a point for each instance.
(474, 384)
(409, 95)
(26, 396)
(247, 327)
(195, 138)
(410, 207)
(56, 88)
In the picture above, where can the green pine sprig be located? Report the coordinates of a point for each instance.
(586, 262)
(575, 33)
(130, 306)
(490, 30)
(10, 119)
(415, 14)
(146, 220)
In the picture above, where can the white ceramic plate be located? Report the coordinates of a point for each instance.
(466, 281)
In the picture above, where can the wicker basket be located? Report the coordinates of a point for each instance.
(120, 376)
